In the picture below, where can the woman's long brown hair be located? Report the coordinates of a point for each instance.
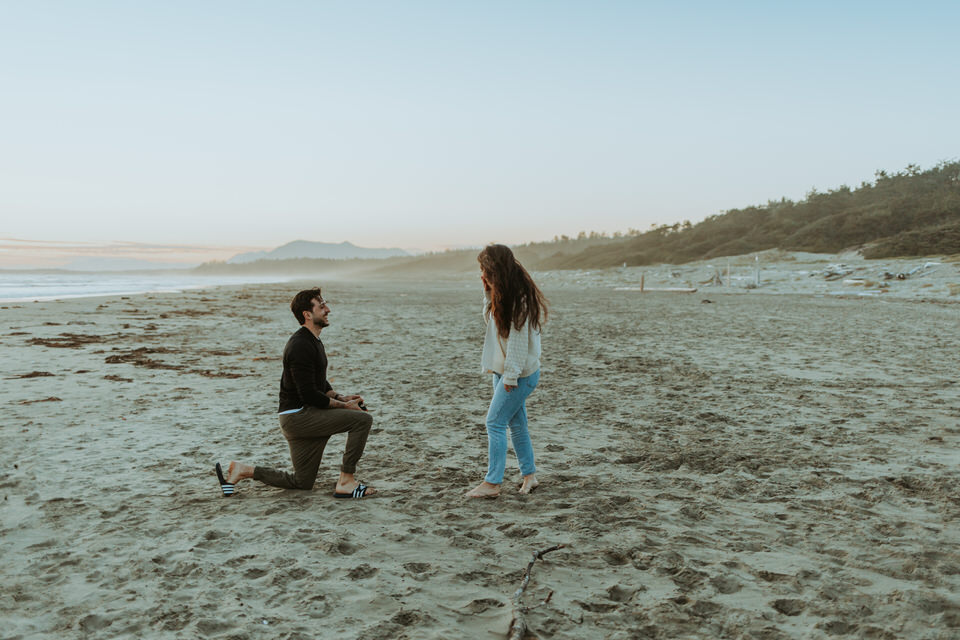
(514, 298)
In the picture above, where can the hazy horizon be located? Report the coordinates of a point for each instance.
(21, 254)
(193, 132)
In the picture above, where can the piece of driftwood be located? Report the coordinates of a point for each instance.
(518, 626)
(833, 271)
(658, 290)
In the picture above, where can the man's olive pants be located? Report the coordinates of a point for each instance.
(307, 432)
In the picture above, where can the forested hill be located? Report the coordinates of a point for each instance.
(912, 212)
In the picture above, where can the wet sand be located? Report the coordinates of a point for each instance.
(720, 464)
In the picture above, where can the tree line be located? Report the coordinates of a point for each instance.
(912, 212)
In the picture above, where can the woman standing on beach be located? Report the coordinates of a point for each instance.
(514, 309)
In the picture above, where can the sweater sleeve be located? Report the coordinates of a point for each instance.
(303, 371)
(518, 343)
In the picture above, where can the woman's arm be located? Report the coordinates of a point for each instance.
(516, 354)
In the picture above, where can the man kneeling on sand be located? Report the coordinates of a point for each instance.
(310, 412)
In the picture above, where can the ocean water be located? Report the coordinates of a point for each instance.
(25, 287)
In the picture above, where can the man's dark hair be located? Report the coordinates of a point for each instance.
(303, 301)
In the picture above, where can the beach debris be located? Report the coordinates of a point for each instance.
(138, 358)
(50, 399)
(211, 373)
(66, 341)
(926, 266)
(644, 289)
(833, 271)
(518, 625)
(705, 301)
(716, 280)
(658, 290)
(919, 270)
(32, 374)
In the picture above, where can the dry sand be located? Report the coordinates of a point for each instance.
(756, 466)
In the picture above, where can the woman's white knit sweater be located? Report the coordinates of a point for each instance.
(516, 357)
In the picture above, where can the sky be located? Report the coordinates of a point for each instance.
(188, 130)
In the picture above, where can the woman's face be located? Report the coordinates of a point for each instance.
(490, 270)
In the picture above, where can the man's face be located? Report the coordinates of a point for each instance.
(318, 313)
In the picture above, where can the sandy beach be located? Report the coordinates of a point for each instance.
(771, 462)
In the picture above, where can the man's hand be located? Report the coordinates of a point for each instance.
(344, 399)
(353, 404)
(509, 387)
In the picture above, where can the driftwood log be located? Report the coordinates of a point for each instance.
(518, 626)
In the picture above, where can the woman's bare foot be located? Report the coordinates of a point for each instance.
(529, 484)
(238, 471)
(484, 490)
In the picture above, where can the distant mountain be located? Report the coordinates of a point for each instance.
(307, 249)
(122, 264)
(908, 213)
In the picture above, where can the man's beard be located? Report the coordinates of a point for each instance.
(320, 323)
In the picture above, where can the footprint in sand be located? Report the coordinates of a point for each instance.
(417, 567)
(253, 574)
(618, 593)
(789, 606)
(362, 572)
(483, 604)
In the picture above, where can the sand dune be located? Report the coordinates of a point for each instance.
(760, 466)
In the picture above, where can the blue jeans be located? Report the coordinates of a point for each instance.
(509, 410)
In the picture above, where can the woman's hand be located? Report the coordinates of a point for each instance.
(509, 387)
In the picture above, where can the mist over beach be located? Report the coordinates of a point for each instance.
(745, 221)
